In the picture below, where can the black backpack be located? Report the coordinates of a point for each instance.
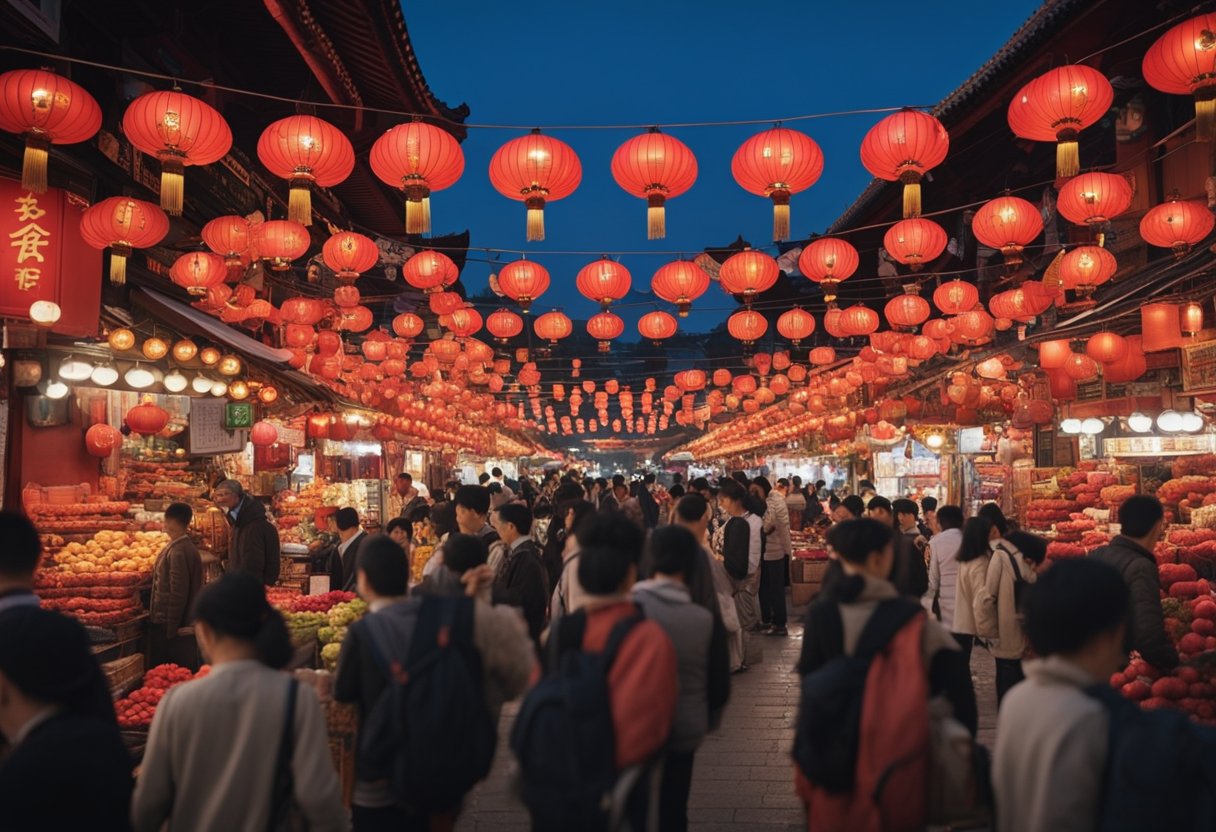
(563, 736)
(829, 711)
(430, 734)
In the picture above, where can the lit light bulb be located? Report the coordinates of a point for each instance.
(1070, 426)
(1092, 426)
(1170, 421)
(1192, 421)
(219, 389)
(176, 382)
(56, 390)
(201, 384)
(73, 369)
(139, 378)
(104, 375)
(1140, 423)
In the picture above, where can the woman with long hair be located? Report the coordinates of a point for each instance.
(974, 553)
(246, 746)
(997, 616)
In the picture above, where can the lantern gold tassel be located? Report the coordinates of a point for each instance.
(417, 208)
(172, 186)
(781, 214)
(33, 164)
(1068, 155)
(118, 264)
(1205, 115)
(656, 217)
(536, 218)
(299, 200)
(911, 181)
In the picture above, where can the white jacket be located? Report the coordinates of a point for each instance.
(996, 613)
(943, 574)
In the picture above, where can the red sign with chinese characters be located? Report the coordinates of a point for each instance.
(44, 258)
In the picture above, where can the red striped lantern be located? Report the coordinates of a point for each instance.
(828, 261)
(775, 164)
(1053, 354)
(523, 281)
(350, 254)
(1131, 366)
(1094, 198)
(603, 281)
(302, 310)
(229, 237)
(915, 242)
(1057, 106)
(123, 224)
(657, 326)
(1008, 224)
(748, 273)
(822, 356)
(1106, 347)
(535, 169)
(305, 150)
(1183, 62)
(973, 327)
(46, 109)
(408, 325)
(281, 241)
(1085, 268)
(654, 167)
(903, 147)
(552, 327)
(444, 303)
(419, 159)
(198, 271)
(1176, 225)
(907, 311)
(795, 325)
(680, 282)
(747, 326)
(464, 322)
(430, 271)
(504, 324)
(858, 320)
(955, 296)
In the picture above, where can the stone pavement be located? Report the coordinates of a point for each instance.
(743, 778)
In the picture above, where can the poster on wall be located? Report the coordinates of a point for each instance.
(207, 432)
(1199, 367)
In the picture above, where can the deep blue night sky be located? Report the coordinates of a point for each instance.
(550, 62)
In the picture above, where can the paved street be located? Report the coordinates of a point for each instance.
(743, 777)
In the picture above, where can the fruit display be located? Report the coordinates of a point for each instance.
(79, 518)
(329, 655)
(303, 626)
(1042, 513)
(137, 708)
(316, 603)
(112, 551)
(294, 510)
(167, 480)
(346, 613)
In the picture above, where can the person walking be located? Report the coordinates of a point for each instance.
(19, 559)
(943, 566)
(1130, 553)
(519, 578)
(703, 666)
(996, 610)
(351, 538)
(222, 749)
(775, 564)
(973, 556)
(254, 543)
(795, 503)
(742, 548)
(58, 720)
(177, 577)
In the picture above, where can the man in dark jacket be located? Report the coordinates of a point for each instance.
(254, 544)
(520, 579)
(177, 576)
(909, 574)
(19, 560)
(1131, 553)
(351, 538)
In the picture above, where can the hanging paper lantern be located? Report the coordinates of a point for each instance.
(198, 271)
(1190, 317)
(535, 169)
(229, 237)
(1085, 268)
(46, 109)
(903, 147)
(603, 281)
(922, 348)
(747, 326)
(1024, 303)
(796, 324)
(420, 159)
(1008, 224)
(101, 439)
(831, 322)
(1106, 347)
(691, 381)
(299, 336)
(430, 271)
(523, 281)
(858, 320)
(821, 356)
(1080, 367)
(279, 242)
(349, 254)
(907, 311)
(553, 326)
(122, 224)
(721, 377)
(1131, 366)
(304, 150)
(1057, 106)
(915, 242)
(445, 303)
(179, 130)
(1160, 326)
(464, 322)
(355, 319)
(1177, 224)
(654, 167)
(1183, 62)
(1054, 354)
(302, 310)
(656, 326)
(775, 164)
(748, 273)
(504, 324)
(1094, 198)
(973, 327)
(146, 418)
(263, 434)
(955, 296)
(680, 282)
(828, 261)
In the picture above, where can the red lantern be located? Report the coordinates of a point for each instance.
(1009, 224)
(680, 282)
(445, 303)
(281, 241)
(603, 281)
(419, 159)
(922, 348)
(304, 149)
(748, 273)
(907, 311)
(858, 320)
(100, 440)
(1054, 354)
(523, 281)
(656, 326)
(747, 326)
(1183, 62)
(691, 381)
(349, 254)
(198, 271)
(1094, 198)
(1131, 366)
(535, 169)
(317, 426)
(464, 322)
(1160, 326)
(299, 336)
(902, 148)
(775, 164)
(1085, 268)
(831, 322)
(552, 327)
(828, 261)
(1057, 106)
(122, 224)
(1176, 224)
(973, 327)
(263, 434)
(1190, 317)
(408, 325)
(955, 297)
(179, 130)
(504, 324)
(355, 319)
(654, 167)
(1080, 367)
(722, 377)
(915, 242)
(146, 418)
(46, 109)
(346, 296)
(1106, 347)
(229, 237)
(1024, 303)
(795, 325)
(430, 271)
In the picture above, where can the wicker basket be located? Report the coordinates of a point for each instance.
(125, 674)
(131, 629)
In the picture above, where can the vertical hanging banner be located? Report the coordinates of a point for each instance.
(44, 258)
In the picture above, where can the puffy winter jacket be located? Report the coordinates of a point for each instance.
(1139, 570)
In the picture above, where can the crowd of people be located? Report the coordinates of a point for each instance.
(618, 611)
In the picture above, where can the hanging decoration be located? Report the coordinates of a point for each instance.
(419, 159)
(1176, 224)
(523, 281)
(604, 327)
(828, 261)
(349, 254)
(903, 147)
(1183, 62)
(955, 296)
(680, 282)
(915, 242)
(657, 326)
(1057, 106)
(907, 311)
(655, 167)
(1085, 268)
(430, 271)
(747, 326)
(408, 325)
(796, 325)
(122, 224)
(552, 327)
(603, 282)
(504, 324)
(229, 237)
(1094, 198)
(46, 109)
(198, 271)
(1008, 224)
(146, 418)
(776, 164)
(535, 169)
(305, 150)
(748, 273)
(279, 242)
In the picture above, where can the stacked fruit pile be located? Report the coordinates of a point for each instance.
(316, 603)
(162, 480)
(1043, 513)
(137, 709)
(331, 636)
(303, 626)
(79, 518)
(112, 551)
(95, 599)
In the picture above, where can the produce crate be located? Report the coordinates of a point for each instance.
(804, 570)
(132, 628)
(342, 722)
(125, 674)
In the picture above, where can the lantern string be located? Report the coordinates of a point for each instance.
(433, 117)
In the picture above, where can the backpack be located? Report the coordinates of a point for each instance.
(564, 737)
(1160, 769)
(430, 734)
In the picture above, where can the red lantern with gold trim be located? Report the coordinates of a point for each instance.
(955, 296)
(747, 326)
(1085, 268)
(903, 147)
(657, 326)
(523, 281)
(1057, 106)
(795, 325)
(748, 273)
(146, 418)
(907, 311)
(1094, 198)
(680, 282)
(1183, 62)
(350, 254)
(828, 261)
(603, 281)
(654, 167)
(775, 164)
(915, 242)
(46, 109)
(504, 324)
(304, 150)
(552, 327)
(430, 271)
(1008, 224)
(229, 237)
(198, 271)
(535, 169)
(123, 224)
(1177, 225)
(419, 159)
(279, 242)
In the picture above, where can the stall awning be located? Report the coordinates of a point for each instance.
(187, 319)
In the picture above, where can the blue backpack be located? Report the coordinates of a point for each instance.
(563, 736)
(430, 734)
(1160, 769)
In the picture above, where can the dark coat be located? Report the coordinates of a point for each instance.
(177, 577)
(85, 752)
(522, 582)
(909, 573)
(254, 547)
(350, 561)
(1139, 570)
